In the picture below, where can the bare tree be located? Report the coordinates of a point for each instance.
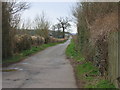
(58, 26)
(56, 30)
(10, 18)
(42, 26)
(26, 24)
(64, 23)
(15, 9)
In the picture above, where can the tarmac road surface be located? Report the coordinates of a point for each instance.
(46, 69)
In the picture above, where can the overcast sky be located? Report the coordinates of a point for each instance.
(52, 10)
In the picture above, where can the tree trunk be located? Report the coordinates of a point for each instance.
(63, 32)
(6, 38)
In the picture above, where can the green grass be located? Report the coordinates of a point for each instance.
(86, 71)
(101, 84)
(104, 84)
(70, 52)
(26, 53)
(85, 68)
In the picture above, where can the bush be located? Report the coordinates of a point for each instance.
(54, 40)
(37, 40)
(22, 42)
(94, 23)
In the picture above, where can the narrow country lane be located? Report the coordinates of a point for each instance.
(46, 69)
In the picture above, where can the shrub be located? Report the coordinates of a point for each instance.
(37, 40)
(54, 40)
(22, 42)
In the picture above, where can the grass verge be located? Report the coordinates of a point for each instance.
(87, 75)
(22, 55)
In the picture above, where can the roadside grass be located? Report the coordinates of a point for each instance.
(101, 84)
(71, 53)
(25, 53)
(85, 71)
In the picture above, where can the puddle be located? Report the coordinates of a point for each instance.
(20, 69)
(17, 68)
(26, 79)
(16, 79)
(24, 63)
